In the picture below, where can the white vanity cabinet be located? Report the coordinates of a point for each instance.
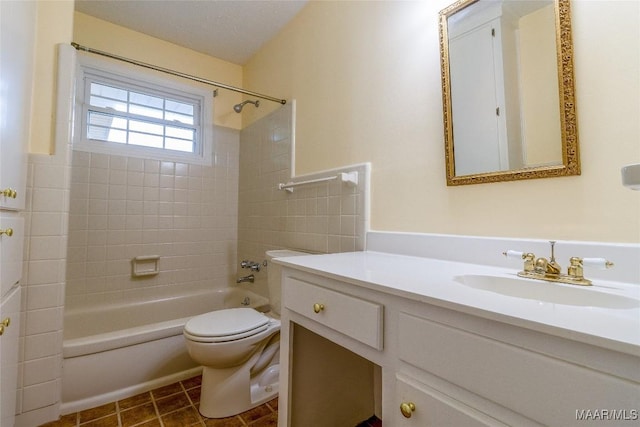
(17, 47)
(10, 327)
(11, 248)
(423, 405)
(351, 316)
(518, 376)
(431, 364)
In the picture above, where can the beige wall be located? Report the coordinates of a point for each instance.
(366, 77)
(55, 25)
(58, 23)
(541, 121)
(102, 35)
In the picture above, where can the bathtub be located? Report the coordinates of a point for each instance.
(117, 351)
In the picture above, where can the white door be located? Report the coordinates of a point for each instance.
(475, 101)
(17, 38)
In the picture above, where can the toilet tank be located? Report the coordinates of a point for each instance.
(274, 275)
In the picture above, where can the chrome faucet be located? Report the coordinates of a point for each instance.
(250, 278)
(246, 301)
(550, 270)
(252, 265)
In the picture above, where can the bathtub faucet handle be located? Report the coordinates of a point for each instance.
(252, 265)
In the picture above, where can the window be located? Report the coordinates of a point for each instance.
(128, 113)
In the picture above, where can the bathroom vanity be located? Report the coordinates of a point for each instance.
(426, 342)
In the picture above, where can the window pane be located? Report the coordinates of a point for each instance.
(145, 140)
(105, 134)
(107, 120)
(145, 111)
(146, 100)
(145, 127)
(179, 107)
(179, 145)
(173, 117)
(96, 101)
(105, 91)
(126, 115)
(181, 133)
(118, 136)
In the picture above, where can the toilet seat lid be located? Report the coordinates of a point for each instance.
(226, 323)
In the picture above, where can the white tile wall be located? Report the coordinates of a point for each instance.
(123, 207)
(326, 217)
(43, 283)
(84, 225)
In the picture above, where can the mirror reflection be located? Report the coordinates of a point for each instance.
(505, 90)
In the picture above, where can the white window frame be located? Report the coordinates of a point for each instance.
(142, 79)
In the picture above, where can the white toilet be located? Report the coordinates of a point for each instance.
(239, 351)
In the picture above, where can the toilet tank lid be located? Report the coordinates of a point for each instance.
(230, 321)
(281, 253)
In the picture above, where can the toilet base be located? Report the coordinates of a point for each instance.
(228, 392)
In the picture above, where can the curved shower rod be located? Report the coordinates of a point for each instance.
(178, 74)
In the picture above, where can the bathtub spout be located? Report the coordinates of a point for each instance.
(250, 278)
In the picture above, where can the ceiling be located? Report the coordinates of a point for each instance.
(232, 30)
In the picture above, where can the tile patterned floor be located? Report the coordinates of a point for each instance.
(175, 405)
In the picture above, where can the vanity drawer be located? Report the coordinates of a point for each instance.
(352, 316)
(432, 408)
(540, 387)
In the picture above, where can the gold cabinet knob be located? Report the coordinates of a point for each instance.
(8, 232)
(4, 324)
(407, 409)
(318, 307)
(10, 192)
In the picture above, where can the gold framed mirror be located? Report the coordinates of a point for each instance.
(508, 91)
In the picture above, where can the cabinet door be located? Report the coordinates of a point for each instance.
(9, 309)
(433, 408)
(10, 250)
(17, 36)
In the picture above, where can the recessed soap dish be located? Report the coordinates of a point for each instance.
(145, 265)
(631, 176)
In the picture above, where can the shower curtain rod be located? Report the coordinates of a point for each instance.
(178, 74)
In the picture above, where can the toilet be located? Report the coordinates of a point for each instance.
(239, 351)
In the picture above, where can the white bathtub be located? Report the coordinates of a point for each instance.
(118, 351)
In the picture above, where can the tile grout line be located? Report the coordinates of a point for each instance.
(191, 403)
(183, 391)
(155, 408)
(118, 414)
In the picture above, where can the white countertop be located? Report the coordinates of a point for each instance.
(438, 282)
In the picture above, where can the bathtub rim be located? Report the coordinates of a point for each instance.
(120, 338)
(124, 393)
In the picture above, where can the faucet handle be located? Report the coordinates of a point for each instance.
(254, 266)
(513, 254)
(528, 258)
(576, 268)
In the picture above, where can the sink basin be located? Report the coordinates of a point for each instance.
(548, 292)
